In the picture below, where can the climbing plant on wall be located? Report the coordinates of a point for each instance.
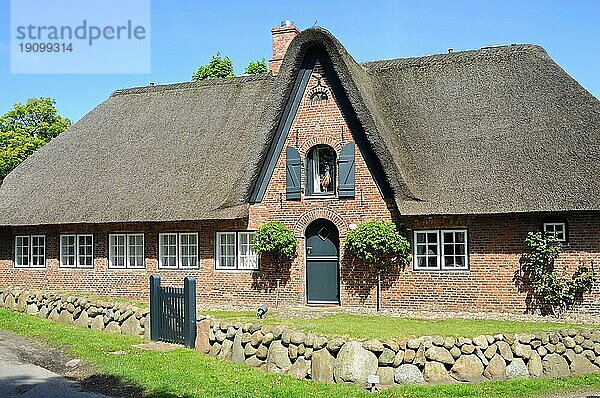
(553, 290)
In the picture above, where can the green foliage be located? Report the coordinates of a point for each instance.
(257, 67)
(26, 128)
(378, 243)
(553, 290)
(217, 68)
(275, 239)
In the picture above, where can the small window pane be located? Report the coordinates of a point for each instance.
(432, 250)
(168, 250)
(421, 237)
(432, 237)
(432, 261)
(448, 237)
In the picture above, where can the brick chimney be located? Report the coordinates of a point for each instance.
(282, 37)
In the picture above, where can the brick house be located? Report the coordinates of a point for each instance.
(468, 150)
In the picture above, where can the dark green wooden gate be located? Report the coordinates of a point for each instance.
(322, 263)
(173, 312)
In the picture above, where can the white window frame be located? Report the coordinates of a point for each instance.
(554, 225)
(440, 250)
(415, 259)
(218, 255)
(442, 253)
(77, 255)
(178, 255)
(237, 244)
(30, 254)
(126, 252)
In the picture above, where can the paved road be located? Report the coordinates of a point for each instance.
(25, 380)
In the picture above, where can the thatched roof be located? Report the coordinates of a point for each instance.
(160, 153)
(498, 130)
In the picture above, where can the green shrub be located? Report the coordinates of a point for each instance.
(257, 67)
(218, 67)
(275, 239)
(377, 243)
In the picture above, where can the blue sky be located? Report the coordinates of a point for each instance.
(186, 33)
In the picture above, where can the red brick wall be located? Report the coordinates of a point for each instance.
(212, 286)
(495, 245)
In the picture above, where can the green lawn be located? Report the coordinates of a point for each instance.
(186, 373)
(385, 327)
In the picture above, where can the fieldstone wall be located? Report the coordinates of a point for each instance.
(113, 317)
(406, 361)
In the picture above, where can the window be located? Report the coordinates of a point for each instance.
(558, 229)
(320, 171)
(444, 250)
(126, 251)
(30, 251)
(178, 250)
(76, 251)
(233, 251)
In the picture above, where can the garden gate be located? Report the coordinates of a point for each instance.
(173, 312)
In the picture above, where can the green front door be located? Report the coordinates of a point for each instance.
(322, 263)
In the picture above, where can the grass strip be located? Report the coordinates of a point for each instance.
(387, 327)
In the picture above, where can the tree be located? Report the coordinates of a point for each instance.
(218, 67)
(380, 246)
(25, 129)
(257, 67)
(553, 290)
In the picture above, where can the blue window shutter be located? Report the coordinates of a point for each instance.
(293, 169)
(346, 171)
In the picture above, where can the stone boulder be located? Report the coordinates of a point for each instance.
(408, 374)
(581, 365)
(132, 327)
(435, 372)
(354, 364)
(226, 349)
(322, 363)
(202, 332)
(386, 357)
(555, 365)
(439, 354)
(278, 359)
(386, 375)
(534, 365)
(300, 368)
(517, 369)
(83, 320)
(237, 353)
(496, 368)
(468, 368)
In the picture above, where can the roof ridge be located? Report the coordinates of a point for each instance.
(191, 84)
(455, 56)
